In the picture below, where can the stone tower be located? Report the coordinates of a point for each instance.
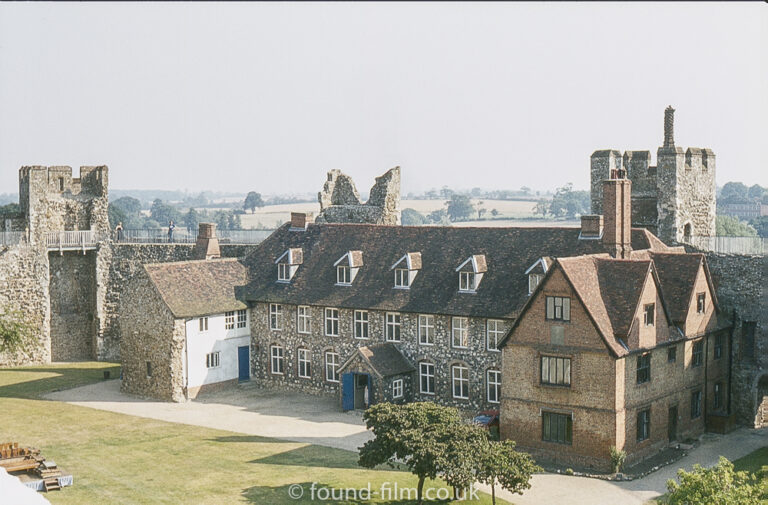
(674, 199)
(340, 201)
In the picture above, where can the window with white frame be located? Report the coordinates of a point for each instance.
(332, 367)
(460, 379)
(229, 320)
(426, 329)
(397, 388)
(533, 282)
(402, 278)
(494, 331)
(361, 324)
(332, 322)
(275, 316)
(212, 360)
(242, 318)
(393, 327)
(304, 363)
(559, 308)
(203, 323)
(467, 281)
(427, 378)
(302, 319)
(460, 332)
(283, 272)
(342, 275)
(493, 381)
(277, 359)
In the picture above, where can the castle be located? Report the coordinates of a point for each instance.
(61, 268)
(675, 199)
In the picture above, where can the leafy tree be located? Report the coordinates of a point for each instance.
(128, 205)
(411, 217)
(501, 463)
(162, 212)
(253, 200)
(569, 203)
(734, 192)
(116, 215)
(730, 226)
(542, 207)
(191, 219)
(459, 207)
(718, 485)
(446, 192)
(416, 433)
(11, 208)
(439, 216)
(462, 456)
(195, 201)
(755, 192)
(494, 212)
(15, 331)
(525, 190)
(761, 225)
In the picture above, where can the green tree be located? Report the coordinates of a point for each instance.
(253, 200)
(542, 207)
(411, 217)
(569, 203)
(162, 212)
(439, 216)
(15, 331)
(734, 192)
(730, 226)
(459, 207)
(191, 219)
(501, 463)
(755, 192)
(415, 433)
(718, 485)
(116, 215)
(11, 208)
(462, 456)
(494, 212)
(760, 224)
(130, 206)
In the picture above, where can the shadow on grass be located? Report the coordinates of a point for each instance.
(246, 439)
(317, 492)
(21, 382)
(312, 456)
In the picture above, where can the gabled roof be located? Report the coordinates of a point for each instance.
(352, 259)
(503, 292)
(542, 264)
(199, 288)
(677, 274)
(475, 263)
(412, 261)
(385, 360)
(621, 285)
(293, 256)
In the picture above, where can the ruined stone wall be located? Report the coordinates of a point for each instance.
(73, 305)
(24, 281)
(741, 284)
(340, 201)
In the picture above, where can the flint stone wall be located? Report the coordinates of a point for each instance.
(340, 201)
(72, 305)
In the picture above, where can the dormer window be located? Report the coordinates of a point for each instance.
(536, 273)
(347, 267)
(288, 263)
(471, 273)
(406, 269)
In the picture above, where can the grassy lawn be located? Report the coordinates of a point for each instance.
(117, 458)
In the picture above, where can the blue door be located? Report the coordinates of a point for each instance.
(243, 363)
(348, 391)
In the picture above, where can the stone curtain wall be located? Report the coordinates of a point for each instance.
(73, 305)
(442, 355)
(24, 281)
(741, 283)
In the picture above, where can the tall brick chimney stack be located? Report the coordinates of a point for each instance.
(207, 245)
(669, 127)
(617, 214)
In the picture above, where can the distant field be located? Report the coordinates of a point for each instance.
(274, 215)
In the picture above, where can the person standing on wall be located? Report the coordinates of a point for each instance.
(119, 231)
(171, 227)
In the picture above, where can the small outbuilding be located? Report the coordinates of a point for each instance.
(184, 329)
(375, 374)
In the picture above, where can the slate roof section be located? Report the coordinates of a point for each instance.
(199, 288)
(502, 293)
(385, 359)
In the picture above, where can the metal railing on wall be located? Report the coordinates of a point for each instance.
(184, 236)
(71, 239)
(730, 245)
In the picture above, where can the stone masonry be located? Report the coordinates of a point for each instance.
(340, 201)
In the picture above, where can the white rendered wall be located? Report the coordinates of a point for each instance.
(226, 342)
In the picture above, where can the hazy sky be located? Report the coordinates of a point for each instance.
(267, 97)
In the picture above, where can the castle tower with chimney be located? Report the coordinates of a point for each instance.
(674, 199)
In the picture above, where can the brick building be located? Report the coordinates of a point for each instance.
(625, 350)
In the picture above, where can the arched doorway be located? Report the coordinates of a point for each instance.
(762, 402)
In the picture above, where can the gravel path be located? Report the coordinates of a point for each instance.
(315, 420)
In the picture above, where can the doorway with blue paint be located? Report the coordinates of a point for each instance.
(356, 391)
